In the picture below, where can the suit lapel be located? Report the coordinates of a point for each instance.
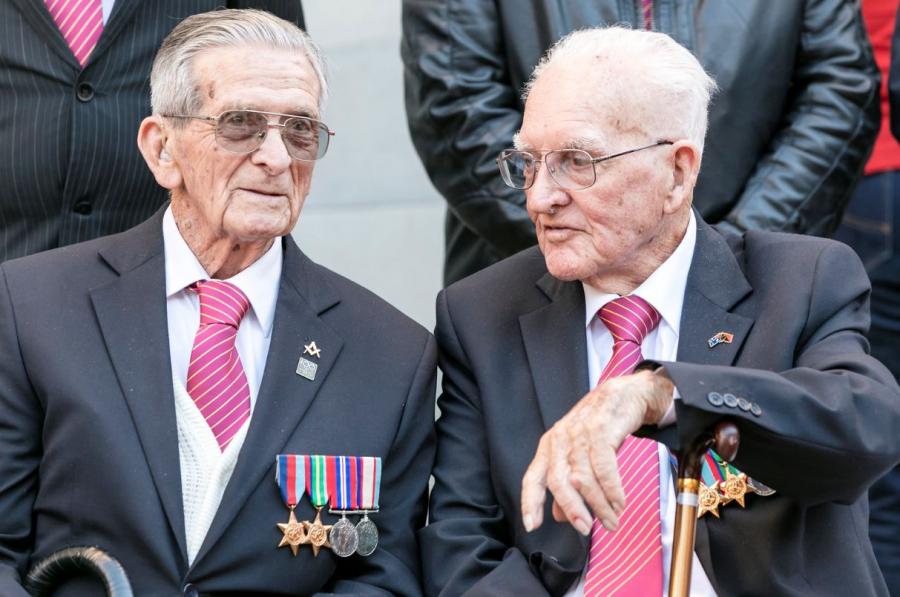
(554, 337)
(284, 396)
(715, 286)
(36, 14)
(131, 311)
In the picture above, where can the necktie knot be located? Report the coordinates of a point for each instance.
(629, 318)
(221, 302)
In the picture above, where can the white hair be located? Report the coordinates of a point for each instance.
(173, 85)
(659, 82)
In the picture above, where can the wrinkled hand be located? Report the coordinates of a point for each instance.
(576, 458)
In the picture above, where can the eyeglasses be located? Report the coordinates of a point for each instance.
(571, 169)
(243, 131)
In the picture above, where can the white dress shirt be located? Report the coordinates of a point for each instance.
(205, 469)
(664, 289)
(107, 9)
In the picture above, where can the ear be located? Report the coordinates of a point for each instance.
(685, 168)
(153, 142)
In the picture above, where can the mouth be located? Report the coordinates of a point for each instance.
(557, 232)
(264, 193)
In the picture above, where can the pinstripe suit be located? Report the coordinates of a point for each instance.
(69, 165)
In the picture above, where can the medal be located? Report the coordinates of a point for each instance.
(290, 479)
(369, 490)
(317, 487)
(759, 488)
(342, 476)
(709, 500)
(734, 487)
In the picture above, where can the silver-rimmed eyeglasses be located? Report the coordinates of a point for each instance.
(571, 169)
(243, 131)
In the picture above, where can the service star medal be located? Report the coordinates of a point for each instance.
(317, 533)
(709, 500)
(294, 533)
(733, 488)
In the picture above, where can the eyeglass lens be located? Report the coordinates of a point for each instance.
(243, 131)
(572, 169)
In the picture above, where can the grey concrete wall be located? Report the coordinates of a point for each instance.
(372, 214)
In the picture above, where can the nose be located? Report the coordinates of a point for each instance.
(272, 154)
(544, 195)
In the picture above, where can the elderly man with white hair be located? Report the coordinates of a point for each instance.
(196, 397)
(581, 366)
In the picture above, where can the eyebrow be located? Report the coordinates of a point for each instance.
(292, 112)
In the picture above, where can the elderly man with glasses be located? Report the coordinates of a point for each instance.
(196, 397)
(575, 371)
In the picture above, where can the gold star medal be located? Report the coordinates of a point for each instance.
(734, 487)
(317, 533)
(294, 533)
(317, 486)
(290, 477)
(709, 500)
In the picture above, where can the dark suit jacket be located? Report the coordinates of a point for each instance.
(512, 348)
(69, 162)
(88, 445)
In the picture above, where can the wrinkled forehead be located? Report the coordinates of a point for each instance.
(259, 78)
(583, 106)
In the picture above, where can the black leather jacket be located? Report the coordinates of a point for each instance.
(789, 132)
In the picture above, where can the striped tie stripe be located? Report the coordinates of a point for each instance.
(80, 22)
(628, 562)
(216, 380)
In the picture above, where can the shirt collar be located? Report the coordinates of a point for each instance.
(259, 281)
(664, 289)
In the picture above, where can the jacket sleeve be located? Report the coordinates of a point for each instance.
(394, 569)
(462, 111)
(20, 454)
(828, 427)
(465, 547)
(806, 178)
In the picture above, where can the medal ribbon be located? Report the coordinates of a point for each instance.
(369, 482)
(290, 475)
(342, 482)
(316, 479)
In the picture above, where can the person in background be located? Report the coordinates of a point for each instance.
(871, 225)
(790, 128)
(74, 86)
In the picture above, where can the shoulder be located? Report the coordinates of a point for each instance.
(785, 255)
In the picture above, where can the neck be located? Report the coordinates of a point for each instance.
(221, 256)
(625, 278)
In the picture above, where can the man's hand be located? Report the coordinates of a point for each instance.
(576, 458)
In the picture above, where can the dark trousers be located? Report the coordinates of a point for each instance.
(871, 226)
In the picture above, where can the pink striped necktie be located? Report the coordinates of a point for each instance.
(80, 22)
(647, 12)
(216, 379)
(628, 562)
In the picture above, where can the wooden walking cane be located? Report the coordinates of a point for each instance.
(725, 439)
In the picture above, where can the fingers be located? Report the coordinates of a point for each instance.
(604, 464)
(534, 488)
(566, 498)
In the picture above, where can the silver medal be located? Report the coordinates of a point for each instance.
(343, 538)
(758, 488)
(367, 534)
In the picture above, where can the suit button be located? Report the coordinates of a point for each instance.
(743, 404)
(730, 400)
(83, 207)
(85, 92)
(190, 591)
(714, 398)
(755, 409)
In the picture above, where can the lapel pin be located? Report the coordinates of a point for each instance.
(307, 369)
(720, 338)
(312, 350)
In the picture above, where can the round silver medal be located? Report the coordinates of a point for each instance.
(343, 538)
(368, 536)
